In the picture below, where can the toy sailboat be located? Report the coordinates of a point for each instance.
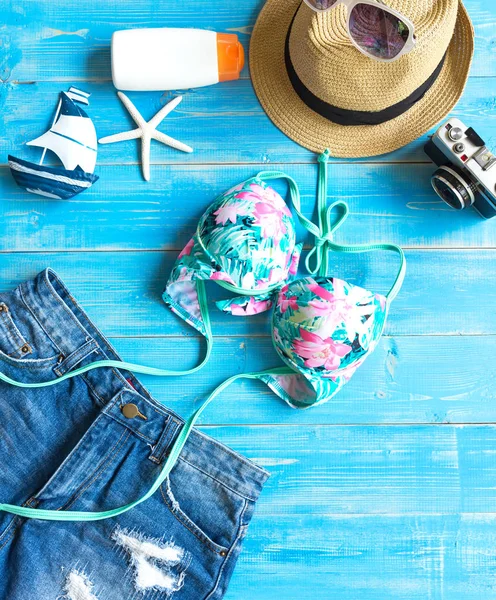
(72, 137)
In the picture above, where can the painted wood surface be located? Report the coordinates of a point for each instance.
(446, 291)
(67, 41)
(377, 557)
(221, 123)
(371, 512)
(388, 491)
(393, 202)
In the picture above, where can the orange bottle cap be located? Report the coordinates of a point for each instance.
(230, 56)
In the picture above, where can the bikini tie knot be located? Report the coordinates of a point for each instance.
(324, 157)
(325, 237)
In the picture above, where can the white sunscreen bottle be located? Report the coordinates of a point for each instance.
(171, 58)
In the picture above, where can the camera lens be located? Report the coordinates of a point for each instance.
(452, 187)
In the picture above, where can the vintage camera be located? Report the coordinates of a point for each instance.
(467, 169)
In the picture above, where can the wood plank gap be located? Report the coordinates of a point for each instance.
(243, 77)
(264, 336)
(335, 161)
(170, 250)
(488, 424)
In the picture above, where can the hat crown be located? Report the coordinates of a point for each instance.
(329, 65)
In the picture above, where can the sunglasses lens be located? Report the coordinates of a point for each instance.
(321, 5)
(378, 32)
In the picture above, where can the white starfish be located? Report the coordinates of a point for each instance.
(147, 131)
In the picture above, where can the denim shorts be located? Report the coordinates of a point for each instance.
(72, 447)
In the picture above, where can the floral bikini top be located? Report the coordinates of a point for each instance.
(245, 241)
(323, 328)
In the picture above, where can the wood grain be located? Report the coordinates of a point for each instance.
(387, 492)
(372, 470)
(392, 203)
(123, 290)
(222, 123)
(63, 41)
(372, 557)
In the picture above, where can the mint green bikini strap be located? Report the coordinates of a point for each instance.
(398, 282)
(324, 231)
(323, 235)
(126, 366)
(116, 364)
(72, 515)
(294, 193)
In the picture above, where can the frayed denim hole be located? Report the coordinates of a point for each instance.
(156, 565)
(78, 586)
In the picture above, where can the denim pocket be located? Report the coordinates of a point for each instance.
(30, 363)
(206, 507)
(12, 343)
(17, 349)
(34, 364)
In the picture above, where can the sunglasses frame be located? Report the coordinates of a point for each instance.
(351, 4)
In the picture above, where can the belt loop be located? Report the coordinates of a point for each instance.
(165, 441)
(68, 363)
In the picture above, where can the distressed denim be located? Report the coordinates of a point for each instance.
(71, 446)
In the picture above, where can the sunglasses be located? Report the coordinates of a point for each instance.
(375, 29)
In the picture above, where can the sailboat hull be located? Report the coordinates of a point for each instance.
(51, 182)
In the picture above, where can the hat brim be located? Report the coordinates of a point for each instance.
(309, 129)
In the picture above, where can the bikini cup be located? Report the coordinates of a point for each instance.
(245, 242)
(323, 329)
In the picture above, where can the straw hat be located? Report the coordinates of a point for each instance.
(335, 73)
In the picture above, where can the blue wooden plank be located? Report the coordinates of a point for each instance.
(123, 290)
(63, 40)
(408, 379)
(372, 557)
(383, 470)
(369, 511)
(223, 123)
(388, 203)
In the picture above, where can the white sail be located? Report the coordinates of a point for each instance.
(73, 139)
(71, 153)
(80, 129)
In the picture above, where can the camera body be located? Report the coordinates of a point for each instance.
(467, 169)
